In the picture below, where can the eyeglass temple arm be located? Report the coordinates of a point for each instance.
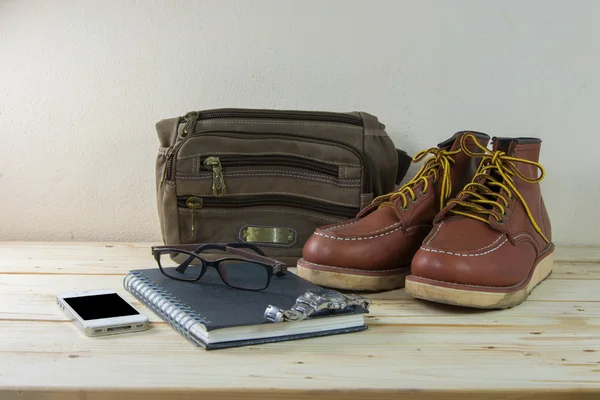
(244, 245)
(245, 253)
(183, 266)
(280, 271)
(255, 257)
(194, 247)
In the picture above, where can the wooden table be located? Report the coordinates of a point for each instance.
(547, 348)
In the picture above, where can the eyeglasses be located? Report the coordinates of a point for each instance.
(237, 267)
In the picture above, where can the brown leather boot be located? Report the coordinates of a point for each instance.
(373, 251)
(491, 245)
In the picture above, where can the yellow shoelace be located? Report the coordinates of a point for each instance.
(441, 160)
(474, 194)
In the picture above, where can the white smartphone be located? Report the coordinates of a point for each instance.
(102, 312)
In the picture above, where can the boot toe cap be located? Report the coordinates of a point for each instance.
(320, 250)
(382, 251)
(436, 265)
(473, 269)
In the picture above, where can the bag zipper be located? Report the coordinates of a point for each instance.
(193, 203)
(193, 117)
(274, 160)
(216, 165)
(198, 202)
(367, 184)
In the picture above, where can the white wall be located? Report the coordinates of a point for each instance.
(82, 84)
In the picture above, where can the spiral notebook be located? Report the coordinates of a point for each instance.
(212, 315)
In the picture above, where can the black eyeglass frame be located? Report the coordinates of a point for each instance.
(273, 267)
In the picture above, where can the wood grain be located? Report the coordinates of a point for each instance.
(301, 394)
(415, 356)
(573, 302)
(102, 258)
(547, 348)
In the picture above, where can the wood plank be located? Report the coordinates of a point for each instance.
(69, 258)
(118, 258)
(548, 290)
(121, 264)
(31, 297)
(575, 270)
(302, 394)
(588, 254)
(533, 315)
(55, 354)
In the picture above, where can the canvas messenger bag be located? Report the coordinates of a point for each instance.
(269, 177)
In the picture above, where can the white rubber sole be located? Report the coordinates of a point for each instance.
(344, 281)
(441, 293)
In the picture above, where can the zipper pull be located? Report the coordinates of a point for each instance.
(190, 123)
(214, 164)
(194, 203)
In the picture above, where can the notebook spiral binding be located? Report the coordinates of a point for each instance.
(177, 315)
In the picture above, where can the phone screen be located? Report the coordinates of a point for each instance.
(99, 306)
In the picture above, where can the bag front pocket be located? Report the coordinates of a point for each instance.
(257, 210)
(216, 167)
(283, 174)
(183, 158)
(196, 202)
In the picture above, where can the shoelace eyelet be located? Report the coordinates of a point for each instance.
(423, 193)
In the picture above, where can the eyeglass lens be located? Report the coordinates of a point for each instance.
(238, 273)
(244, 274)
(171, 260)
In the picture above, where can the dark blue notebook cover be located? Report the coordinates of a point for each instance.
(216, 305)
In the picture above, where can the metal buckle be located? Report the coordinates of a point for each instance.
(263, 234)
